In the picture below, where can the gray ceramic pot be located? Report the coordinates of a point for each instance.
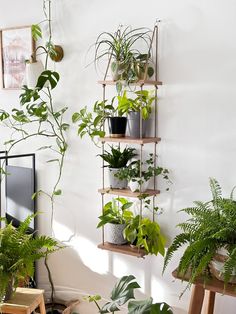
(114, 233)
(116, 183)
(134, 125)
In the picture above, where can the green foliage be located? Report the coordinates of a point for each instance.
(122, 293)
(144, 233)
(115, 211)
(122, 46)
(18, 252)
(117, 158)
(211, 226)
(36, 32)
(142, 102)
(132, 171)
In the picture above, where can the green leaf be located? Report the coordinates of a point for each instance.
(75, 117)
(48, 76)
(121, 293)
(53, 160)
(36, 32)
(57, 192)
(138, 307)
(161, 308)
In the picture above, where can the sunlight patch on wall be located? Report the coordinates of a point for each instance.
(95, 259)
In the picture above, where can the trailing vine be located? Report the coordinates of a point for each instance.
(39, 117)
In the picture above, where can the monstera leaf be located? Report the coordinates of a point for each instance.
(121, 293)
(146, 307)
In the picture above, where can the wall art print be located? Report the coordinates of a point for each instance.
(17, 46)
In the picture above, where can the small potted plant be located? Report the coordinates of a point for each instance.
(144, 67)
(139, 180)
(116, 160)
(144, 233)
(114, 217)
(210, 235)
(18, 252)
(140, 105)
(92, 122)
(122, 293)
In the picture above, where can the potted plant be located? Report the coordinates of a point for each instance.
(140, 105)
(144, 233)
(92, 122)
(143, 66)
(18, 252)
(210, 235)
(122, 293)
(138, 180)
(117, 159)
(114, 217)
(121, 49)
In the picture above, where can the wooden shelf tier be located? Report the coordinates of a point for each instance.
(123, 249)
(130, 140)
(127, 192)
(138, 83)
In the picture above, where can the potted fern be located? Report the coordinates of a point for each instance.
(114, 217)
(210, 235)
(18, 252)
(117, 159)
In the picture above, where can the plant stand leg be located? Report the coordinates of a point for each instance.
(210, 302)
(42, 306)
(196, 301)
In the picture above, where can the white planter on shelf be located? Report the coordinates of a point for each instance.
(116, 183)
(114, 233)
(135, 186)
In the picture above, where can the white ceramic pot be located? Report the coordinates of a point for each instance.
(33, 71)
(135, 186)
(116, 183)
(114, 233)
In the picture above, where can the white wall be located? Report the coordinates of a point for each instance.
(197, 119)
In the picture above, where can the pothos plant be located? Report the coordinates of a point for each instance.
(38, 116)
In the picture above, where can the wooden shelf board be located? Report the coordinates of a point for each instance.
(123, 249)
(130, 140)
(138, 83)
(212, 284)
(127, 192)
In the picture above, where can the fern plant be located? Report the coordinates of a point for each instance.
(212, 225)
(18, 252)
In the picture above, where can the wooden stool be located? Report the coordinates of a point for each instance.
(24, 301)
(199, 289)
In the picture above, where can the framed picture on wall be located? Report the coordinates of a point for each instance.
(17, 46)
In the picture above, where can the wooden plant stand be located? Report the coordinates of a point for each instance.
(24, 301)
(212, 287)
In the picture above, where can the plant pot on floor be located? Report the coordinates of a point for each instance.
(114, 233)
(135, 186)
(117, 126)
(9, 290)
(134, 125)
(217, 266)
(116, 183)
